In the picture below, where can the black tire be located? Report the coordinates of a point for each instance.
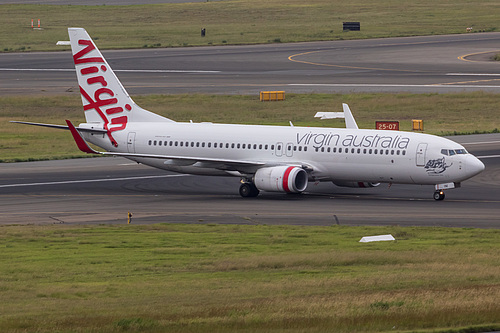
(248, 190)
(438, 196)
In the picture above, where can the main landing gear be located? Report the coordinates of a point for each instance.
(248, 190)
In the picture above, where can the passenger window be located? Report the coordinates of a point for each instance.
(305, 148)
(260, 146)
(404, 152)
(154, 143)
(149, 142)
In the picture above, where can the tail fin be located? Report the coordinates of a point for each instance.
(104, 99)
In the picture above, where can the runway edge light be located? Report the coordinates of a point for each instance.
(380, 238)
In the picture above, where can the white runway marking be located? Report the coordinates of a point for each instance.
(90, 181)
(473, 74)
(480, 143)
(452, 86)
(489, 156)
(117, 70)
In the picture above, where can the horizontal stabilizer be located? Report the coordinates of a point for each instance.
(88, 130)
(329, 115)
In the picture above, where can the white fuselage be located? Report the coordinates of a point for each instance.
(333, 154)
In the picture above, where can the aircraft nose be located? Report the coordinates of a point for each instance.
(474, 166)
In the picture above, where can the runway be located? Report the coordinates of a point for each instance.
(440, 64)
(104, 190)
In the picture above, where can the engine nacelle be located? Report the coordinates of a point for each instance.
(342, 183)
(287, 179)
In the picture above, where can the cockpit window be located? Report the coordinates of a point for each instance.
(451, 152)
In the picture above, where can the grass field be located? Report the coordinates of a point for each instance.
(240, 22)
(215, 278)
(442, 114)
(226, 278)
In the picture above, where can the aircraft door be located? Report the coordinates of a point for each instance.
(289, 149)
(279, 149)
(131, 142)
(421, 149)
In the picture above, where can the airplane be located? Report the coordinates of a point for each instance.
(265, 158)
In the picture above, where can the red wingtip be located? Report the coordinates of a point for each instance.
(80, 142)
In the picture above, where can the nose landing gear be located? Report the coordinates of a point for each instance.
(439, 195)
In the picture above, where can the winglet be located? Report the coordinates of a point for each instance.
(349, 119)
(80, 142)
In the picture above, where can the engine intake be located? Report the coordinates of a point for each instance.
(287, 179)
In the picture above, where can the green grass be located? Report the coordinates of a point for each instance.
(226, 278)
(442, 114)
(240, 22)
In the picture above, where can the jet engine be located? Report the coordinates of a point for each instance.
(287, 179)
(342, 183)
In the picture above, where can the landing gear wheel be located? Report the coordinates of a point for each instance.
(438, 195)
(248, 190)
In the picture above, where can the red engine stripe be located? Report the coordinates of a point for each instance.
(285, 179)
